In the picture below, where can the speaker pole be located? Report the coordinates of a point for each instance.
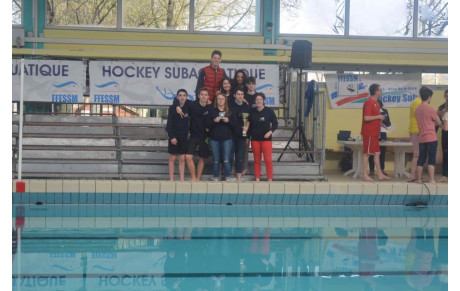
(303, 145)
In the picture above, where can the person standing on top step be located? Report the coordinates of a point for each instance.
(211, 76)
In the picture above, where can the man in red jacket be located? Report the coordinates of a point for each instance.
(211, 76)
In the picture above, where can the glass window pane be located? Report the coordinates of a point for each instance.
(225, 15)
(17, 12)
(433, 18)
(82, 13)
(312, 17)
(148, 14)
(381, 18)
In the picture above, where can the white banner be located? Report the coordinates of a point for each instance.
(350, 91)
(156, 83)
(49, 81)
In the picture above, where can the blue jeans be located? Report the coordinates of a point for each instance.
(221, 151)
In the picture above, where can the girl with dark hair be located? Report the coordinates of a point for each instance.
(263, 123)
(220, 136)
(239, 80)
(226, 87)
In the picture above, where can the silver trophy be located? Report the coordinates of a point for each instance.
(245, 122)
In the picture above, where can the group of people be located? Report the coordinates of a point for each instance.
(424, 122)
(224, 117)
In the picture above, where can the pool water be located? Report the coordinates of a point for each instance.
(195, 247)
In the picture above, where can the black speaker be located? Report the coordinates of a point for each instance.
(301, 54)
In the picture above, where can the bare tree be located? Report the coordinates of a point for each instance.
(17, 12)
(433, 17)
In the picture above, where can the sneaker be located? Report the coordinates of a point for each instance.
(371, 173)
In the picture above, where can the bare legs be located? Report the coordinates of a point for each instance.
(377, 165)
(172, 160)
(195, 172)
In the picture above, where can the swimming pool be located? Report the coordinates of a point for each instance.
(239, 247)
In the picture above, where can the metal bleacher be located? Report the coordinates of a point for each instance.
(116, 147)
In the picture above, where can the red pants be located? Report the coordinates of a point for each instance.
(259, 148)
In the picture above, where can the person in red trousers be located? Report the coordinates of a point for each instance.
(263, 123)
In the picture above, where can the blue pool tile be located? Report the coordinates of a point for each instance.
(225, 198)
(356, 199)
(139, 198)
(82, 210)
(123, 208)
(186, 198)
(271, 199)
(400, 200)
(123, 198)
(315, 199)
(263, 199)
(294, 199)
(445, 200)
(83, 198)
(91, 198)
(131, 198)
(437, 199)
(33, 198)
(331, 199)
(323, 198)
(99, 198)
(393, 199)
(301, 199)
(155, 198)
(240, 198)
(115, 198)
(411, 199)
(286, 199)
(255, 199)
(66, 209)
(115, 210)
(49, 198)
(41, 197)
(16, 198)
(209, 198)
(162, 198)
(232, 198)
(74, 210)
(386, 199)
(378, 199)
(74, 197)
(170, 198)
(349, 199)
(217, 199)
(66, 198)
(131, 212)
(147, 198)
(340, 199)
(363, 200)
(201, 198)
(278, 199)
(194, 198)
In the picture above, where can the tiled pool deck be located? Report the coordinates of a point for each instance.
(352, 192)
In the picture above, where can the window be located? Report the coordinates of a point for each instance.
(432, 20)
(225, 15)
(147, 14)
(381, 18)
(17, 12)
(434, 79)
(312, 17)
(95, 13)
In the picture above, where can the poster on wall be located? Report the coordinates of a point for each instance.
(49, 81)
(350, 91)
(156, 83)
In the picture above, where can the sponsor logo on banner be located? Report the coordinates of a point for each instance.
(350, 91)
(49, 80)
